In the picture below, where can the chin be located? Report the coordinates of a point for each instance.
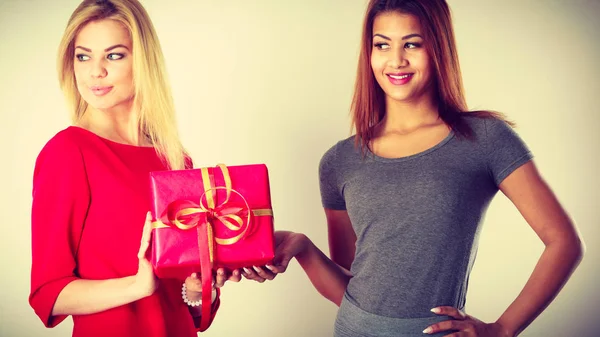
(400, 97)
(104, 103)
(100, 105)
(406, 96)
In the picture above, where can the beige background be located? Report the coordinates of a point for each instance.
(270, 81)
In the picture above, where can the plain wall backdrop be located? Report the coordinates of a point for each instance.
(270, 81)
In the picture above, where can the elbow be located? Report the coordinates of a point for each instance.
(43, 300)
(572, 248)
(579, 249)
(335, 298)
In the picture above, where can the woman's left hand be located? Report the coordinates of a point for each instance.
(223, 276)
(193, 282)
(465, 325)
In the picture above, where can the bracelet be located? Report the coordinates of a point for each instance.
(198, 302)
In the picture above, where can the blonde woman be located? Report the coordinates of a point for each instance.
(90, 226)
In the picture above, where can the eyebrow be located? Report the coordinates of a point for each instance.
(403, 38)
(106, 50)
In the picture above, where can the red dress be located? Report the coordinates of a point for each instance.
(90, 198)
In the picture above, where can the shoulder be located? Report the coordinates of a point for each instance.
(338, 151)
(64, 142)
(62, 149)
(60, 161)
(503, 148)
(487, 127)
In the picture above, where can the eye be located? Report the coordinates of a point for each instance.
(412, 45)
(115, 56)
(382, 46)
(82, 57)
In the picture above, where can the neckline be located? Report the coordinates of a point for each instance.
(106, 140)
(412, 156)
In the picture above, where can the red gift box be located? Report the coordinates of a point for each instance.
(224, 211)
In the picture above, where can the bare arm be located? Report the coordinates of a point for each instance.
(342, 239)
(81, 296)
(563, 252)
(563, 246)
(331, 276)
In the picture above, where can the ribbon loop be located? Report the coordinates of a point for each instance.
(232, 213)
(204, 215)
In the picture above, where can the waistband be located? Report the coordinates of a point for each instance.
(352, 321)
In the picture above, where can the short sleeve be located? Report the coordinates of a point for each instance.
(505, 149)
(60, 202)
(331, 192)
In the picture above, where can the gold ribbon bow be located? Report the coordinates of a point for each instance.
(231, 216)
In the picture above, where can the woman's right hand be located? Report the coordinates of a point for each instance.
(145, 282)
(85, 296)
(287, 246)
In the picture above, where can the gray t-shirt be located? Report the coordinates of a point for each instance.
(417, 218)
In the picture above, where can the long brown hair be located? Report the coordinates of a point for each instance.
(368, 102)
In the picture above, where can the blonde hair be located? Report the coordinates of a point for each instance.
(152, 91)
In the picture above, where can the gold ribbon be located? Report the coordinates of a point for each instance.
(230, 217)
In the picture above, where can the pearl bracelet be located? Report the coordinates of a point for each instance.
(198, 302)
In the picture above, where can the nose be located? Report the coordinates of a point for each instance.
(98, 69)
(398, 58)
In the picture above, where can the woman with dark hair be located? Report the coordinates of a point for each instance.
(405, 196)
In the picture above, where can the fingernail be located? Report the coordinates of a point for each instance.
(436, 310)
(269, 267)
(236, 272)
(256, 268)
(246, 270)
(428, 330)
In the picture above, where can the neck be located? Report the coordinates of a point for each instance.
(407, 116)
(119, 124)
